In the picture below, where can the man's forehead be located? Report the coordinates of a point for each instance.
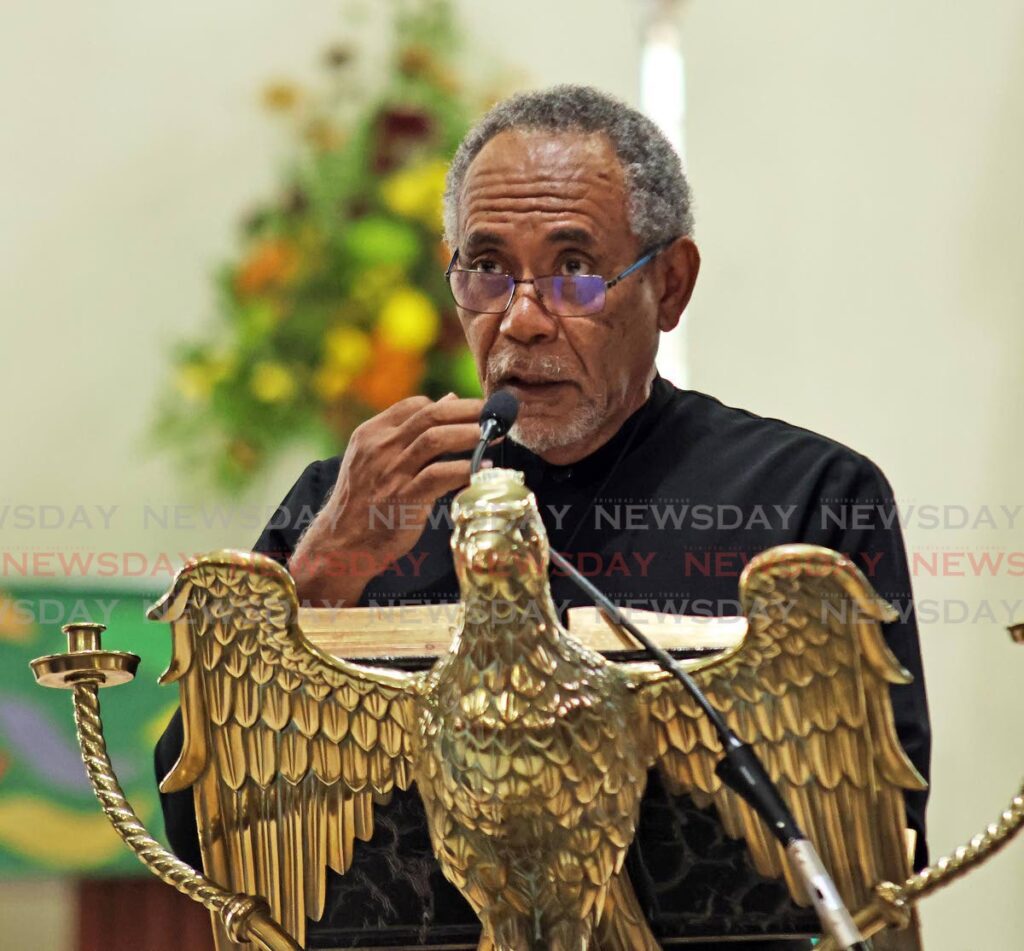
(478, 238)
(542, 171)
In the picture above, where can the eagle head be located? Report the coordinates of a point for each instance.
(498, 540)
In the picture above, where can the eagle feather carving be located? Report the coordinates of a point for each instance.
(529, 750)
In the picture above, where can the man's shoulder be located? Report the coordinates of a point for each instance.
(741, 438)
(313, 485)
(298, 509)
(321, 472)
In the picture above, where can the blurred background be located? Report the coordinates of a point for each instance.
(221, 250)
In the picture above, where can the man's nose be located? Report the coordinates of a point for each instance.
(526, 321)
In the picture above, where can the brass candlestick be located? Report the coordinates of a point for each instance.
(892, 903)
(890, 908)
(83, 669)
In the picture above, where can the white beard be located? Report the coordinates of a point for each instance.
(540, 436)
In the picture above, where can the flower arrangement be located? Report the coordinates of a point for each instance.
(336, 306)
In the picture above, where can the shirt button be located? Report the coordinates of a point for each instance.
(561, 475)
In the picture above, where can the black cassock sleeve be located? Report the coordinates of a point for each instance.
(858, 517)
(278, 540)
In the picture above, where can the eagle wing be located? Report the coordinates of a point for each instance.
(808, 688)
(288, 748)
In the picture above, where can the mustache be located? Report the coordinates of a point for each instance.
(535, 369)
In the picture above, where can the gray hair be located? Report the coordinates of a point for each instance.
(658, 193)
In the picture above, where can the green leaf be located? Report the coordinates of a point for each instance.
(379, 240)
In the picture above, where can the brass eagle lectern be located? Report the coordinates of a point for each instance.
(529, 748)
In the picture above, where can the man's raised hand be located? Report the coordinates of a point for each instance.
(392, 472)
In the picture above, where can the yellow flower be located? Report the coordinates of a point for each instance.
(347, 349)
(195, 381)
(416, 192)
(272, 382)
(221, 366)
(408, 321)
(374, 285)
(330, 382)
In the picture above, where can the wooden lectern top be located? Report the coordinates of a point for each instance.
(421, 631)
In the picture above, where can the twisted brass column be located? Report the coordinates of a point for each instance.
(83, 670)
(891, 905)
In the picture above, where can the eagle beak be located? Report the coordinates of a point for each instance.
(171, 605)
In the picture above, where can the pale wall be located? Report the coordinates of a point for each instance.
(859, 211)
(861, 214)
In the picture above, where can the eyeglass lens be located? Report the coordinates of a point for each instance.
(564, 295)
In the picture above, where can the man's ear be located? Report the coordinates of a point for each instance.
(680, 263)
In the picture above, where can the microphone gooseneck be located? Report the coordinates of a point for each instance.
(496, 419)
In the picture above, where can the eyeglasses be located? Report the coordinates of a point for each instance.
(564, 295)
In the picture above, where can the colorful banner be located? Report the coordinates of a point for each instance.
(49, 819)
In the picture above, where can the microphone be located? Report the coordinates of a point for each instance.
(496, 419)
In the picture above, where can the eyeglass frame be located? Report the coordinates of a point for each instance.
(644, 259)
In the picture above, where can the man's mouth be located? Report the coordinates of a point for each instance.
(532, 385)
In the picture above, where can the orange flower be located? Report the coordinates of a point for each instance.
(417, 60)
(392, 375)
(272, 263)
(442, 254)
(280, 96)
(324, 135)
(244, 455)
(15, 626)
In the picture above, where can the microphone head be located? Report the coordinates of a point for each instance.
(503, 408)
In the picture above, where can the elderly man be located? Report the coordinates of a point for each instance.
(568, 217)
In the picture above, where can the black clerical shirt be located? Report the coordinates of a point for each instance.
(663, 517)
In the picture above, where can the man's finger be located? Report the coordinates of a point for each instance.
(441, 413)
(405, 409)
(437, 441)
(439, 479)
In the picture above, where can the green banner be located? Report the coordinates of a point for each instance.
(49, 819)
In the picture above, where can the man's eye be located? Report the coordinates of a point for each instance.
(574, 266)
(487, 266)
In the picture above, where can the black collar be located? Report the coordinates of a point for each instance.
(597, 466)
